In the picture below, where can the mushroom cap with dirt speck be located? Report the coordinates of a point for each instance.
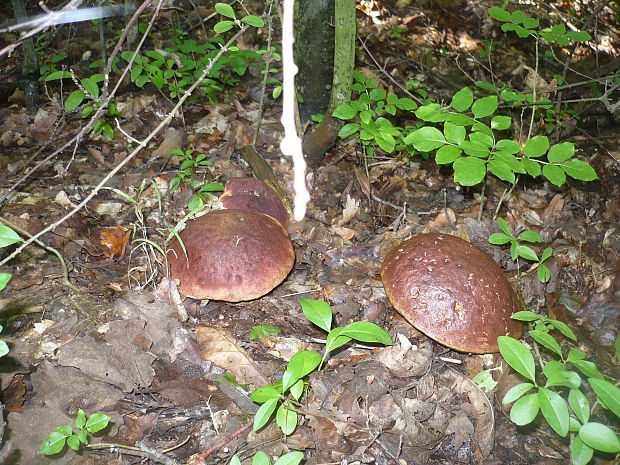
(254, 195)
(232, 255)
(451, 291)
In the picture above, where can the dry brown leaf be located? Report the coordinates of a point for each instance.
(173, 139)
(114, 241)
(220, 347)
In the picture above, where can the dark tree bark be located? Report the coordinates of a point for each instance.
(30, 68)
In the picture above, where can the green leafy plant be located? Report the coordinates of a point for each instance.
(261, 331)
(518, 250)
(7, 237)
(470, 145)
(64, 435)
(281, 397)
(260, 458)
(557, 391)
(188, 166)
(88, 91)
(365, 115)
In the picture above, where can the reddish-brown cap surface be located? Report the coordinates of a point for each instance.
(232, 255)
(452, 291)
(254, 195)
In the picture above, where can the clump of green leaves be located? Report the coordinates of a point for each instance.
(366, 118)
(88, 91)
(260, 458)
(518, 250)
(471, 146)
(557, 391)
(189, 164)
(281, 397)
(64, 435)
(261, 331)
(7, 237)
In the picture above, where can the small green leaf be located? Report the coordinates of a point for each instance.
(431, 113)
(563, 328)
(580, 453)
(469, 171)
(530, 236)
(485, 106)
(317, 312)
(543, 273)
(600, 437)
(367, 331)
(516, 392)
(97, 422)
(90, 85)
(260, 458)
(531, 166)
(555, 410)
(454, 133)
(526, 252)
(426, 139)
(65, 430)
(525, 409)
(530, 23)
(225, 10)
(463, 99)
(264, 413)
(561, 152)
(4, 348)
(53, 444)
(377, 94)
(8, 236)
(575, 354)
(259, 332)
(348, 129)
(579, 36)
(579, 170)
(406, 104)
(587, 368)
(301, 364)
(500, 238)
(568, 379)
(73, 442)
(74, 100)
(252, 20)
(286, 418)
(545, 255)
(579, 404)
(235, 460)
(517, 356)
(554, 174)
(517, 17)
(83, 436)
(509, 146)
(537, 146)
(80, 419)
(292, 458)
(526, 315)
(265, 393)
(485, 380)
(607, 393)
(297, 389)
(501, 122)
(503, 225)
(500, 14)
(447, 154)
(546, 340)
(223, 26)
(475, 149)
(344, 111)
(502, 171)
(618, 346)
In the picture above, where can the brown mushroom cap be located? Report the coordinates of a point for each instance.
(253, 194)
(232, 255)
(451, 291)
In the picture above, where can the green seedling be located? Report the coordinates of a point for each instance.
(518, 250)
(281, 397)
(261, 331)
(189, 164)
(365, 115)
(260, 458)
(65, 435)
(557, 390)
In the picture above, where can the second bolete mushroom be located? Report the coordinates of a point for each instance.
(451, 291)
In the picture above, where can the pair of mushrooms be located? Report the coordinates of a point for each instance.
(447, 288)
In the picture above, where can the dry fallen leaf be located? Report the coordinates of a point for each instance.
(220, 347)
(114, 240)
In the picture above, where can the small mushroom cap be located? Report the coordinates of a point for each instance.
(451, 291)
(232, 255)
(253, 194)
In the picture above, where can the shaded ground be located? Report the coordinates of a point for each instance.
(121, 346)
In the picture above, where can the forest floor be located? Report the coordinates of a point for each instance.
(121, 346)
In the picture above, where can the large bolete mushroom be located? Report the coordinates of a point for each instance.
(253, 194)
(232, 255)
(451, 291)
